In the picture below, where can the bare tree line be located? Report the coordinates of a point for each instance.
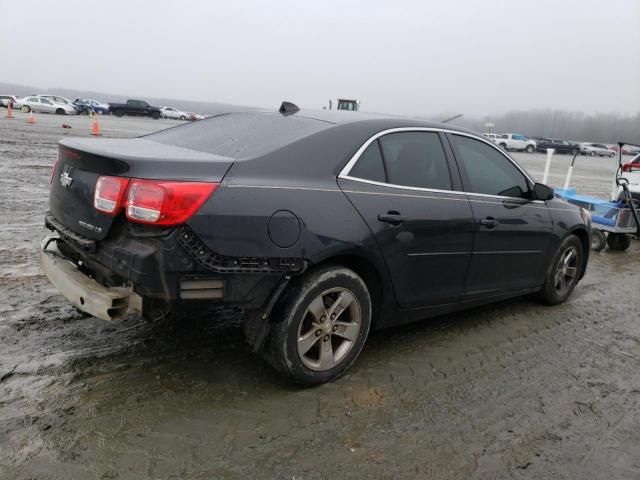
(577, 126)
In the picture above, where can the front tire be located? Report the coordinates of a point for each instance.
(593, 154)
(60, 111)
(530, 149)
(564, 272)
(321, 325)
(25, 109)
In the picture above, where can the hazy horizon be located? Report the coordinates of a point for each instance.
(408, 58)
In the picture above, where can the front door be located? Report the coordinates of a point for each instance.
(512, 231)
(402, 187)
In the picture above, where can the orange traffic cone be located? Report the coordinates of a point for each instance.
(32, 117)
(10, 110)
(95, 127)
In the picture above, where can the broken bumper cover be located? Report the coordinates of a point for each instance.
(106, 303)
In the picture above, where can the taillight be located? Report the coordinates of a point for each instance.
(167, 203)
(626, 167)
(109, 194)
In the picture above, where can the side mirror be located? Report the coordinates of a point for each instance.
(542, 192)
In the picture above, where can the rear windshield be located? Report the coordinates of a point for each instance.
(240, 135)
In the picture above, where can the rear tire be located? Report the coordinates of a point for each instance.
(503, 146)
(321, 324)
(563, 273)
(598, 240)
(618, 242)
(574, 151)
(119, 113)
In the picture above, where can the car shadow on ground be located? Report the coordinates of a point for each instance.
(212, 348)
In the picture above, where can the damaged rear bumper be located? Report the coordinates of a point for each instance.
(106, 303)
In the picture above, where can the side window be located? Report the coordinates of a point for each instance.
(415, 159)
(33, 100)
(487, 170)
(45, 101)
(369, 166)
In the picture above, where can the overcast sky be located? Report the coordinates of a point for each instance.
(405, 57)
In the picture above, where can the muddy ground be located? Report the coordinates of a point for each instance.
(512, 390)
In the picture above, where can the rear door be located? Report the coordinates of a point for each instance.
(512, 232)
(401, 184)
(47, 106)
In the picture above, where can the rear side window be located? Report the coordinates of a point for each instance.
(487, 171)
(241, 135)
(415, 159)
(369, 165)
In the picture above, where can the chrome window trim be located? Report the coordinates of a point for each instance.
(344, 173)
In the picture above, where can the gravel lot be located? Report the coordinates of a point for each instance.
(512, 390)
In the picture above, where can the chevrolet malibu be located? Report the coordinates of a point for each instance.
(320, 225)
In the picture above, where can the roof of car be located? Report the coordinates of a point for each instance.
(381, 120)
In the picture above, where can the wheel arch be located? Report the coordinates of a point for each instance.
(585, 240)
(370, 273)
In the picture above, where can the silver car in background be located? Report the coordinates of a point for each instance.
(41, 104)
(170, 112)
(594, 149)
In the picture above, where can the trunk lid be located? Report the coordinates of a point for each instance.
(81, 161)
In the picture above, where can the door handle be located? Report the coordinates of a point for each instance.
(488, 222)
(392, 217)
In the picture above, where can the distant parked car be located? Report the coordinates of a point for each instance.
(170, 112)
(138, 108)
(83, 107)
(58, 99)
(560, 146)
(86, 105)
(195, 116)
(5, 100)
(44, 105)
(594, 149)
(631, 150)
(491, 136)
(516, 141)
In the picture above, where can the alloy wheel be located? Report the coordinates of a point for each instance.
(566, 271)
(329, 329)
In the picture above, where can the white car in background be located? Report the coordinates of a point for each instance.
(594, 149)
(516, 141)
(170, 112)
(37, 103)
(491, 136)
(6, 99)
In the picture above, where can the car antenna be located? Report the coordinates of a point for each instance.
(288, 108)
(450, 119)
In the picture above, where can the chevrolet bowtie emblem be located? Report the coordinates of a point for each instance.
(65, 179)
